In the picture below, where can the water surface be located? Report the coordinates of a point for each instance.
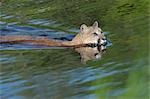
(29, 72)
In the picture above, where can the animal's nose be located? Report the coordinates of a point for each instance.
(103, 41)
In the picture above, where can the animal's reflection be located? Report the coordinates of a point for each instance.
(91, 53)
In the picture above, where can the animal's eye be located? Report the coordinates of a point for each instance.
(102, 32)
(95, 33)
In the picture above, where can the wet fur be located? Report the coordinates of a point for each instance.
(87, 34)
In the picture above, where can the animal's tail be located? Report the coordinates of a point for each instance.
(37, 40)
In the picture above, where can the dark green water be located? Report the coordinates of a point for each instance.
(57, 73)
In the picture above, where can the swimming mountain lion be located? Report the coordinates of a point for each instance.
(88, 36)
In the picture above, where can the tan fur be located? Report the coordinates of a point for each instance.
(85, 36)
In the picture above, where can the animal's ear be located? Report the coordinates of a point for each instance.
(83, 27)
(95, 25)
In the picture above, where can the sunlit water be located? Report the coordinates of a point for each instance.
(38, 72)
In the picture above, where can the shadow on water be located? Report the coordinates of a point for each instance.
(58, 73)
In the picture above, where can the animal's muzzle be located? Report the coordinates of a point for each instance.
(102, 42)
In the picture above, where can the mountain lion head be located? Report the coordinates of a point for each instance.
(90, 34)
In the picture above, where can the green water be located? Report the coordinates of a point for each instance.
(58, 73)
